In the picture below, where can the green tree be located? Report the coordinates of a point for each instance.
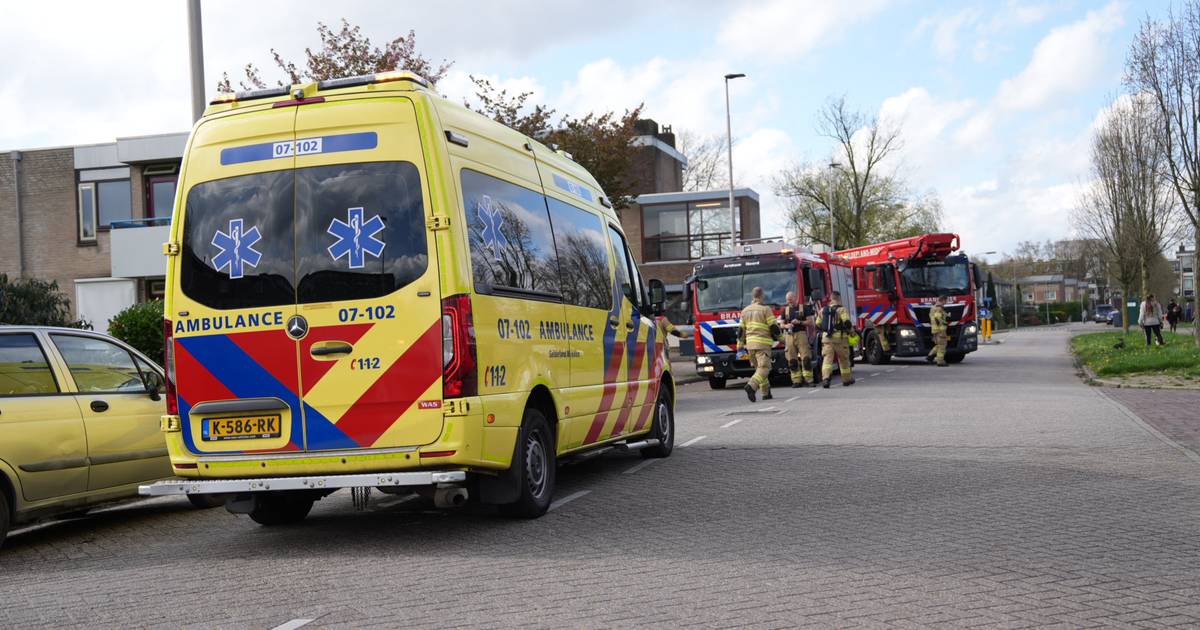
(601, 143)
(141, 326)
(32, 302)
(345, 52)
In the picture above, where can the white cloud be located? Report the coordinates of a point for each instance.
(923, 122)
(945, 30)
(1065, 62)
(785, 29)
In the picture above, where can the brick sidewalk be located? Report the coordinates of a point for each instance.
(1175, 413)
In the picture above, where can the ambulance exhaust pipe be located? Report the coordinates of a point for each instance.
(450, 497)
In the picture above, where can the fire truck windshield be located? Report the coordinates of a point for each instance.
(928, 279)
(732, 291)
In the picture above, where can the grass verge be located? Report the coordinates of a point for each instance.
(1180, 357)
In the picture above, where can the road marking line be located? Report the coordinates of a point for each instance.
(791, 399)
(692, 441)
(567, 499)
(890, 370)
(293, 624)
(813, 390)
(730, 423)
(640, 466)
(876, 373)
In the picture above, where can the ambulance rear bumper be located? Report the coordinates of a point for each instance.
(170, 487)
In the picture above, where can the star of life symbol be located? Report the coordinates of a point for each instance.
(356, 238)
(237, 249)
(492, 220)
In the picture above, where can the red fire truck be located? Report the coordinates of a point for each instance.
(720, 287)
(897, 283)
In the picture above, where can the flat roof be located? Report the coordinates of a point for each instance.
(699, 195)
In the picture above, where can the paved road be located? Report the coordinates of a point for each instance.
(1001, 492)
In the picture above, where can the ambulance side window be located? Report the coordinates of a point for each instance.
(582, 261)
(512, 244)
(626, 273)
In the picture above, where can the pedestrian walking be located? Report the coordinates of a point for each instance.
(1174, 314)
(1150, 317)
(836, 328)
(757, 332)
(796, 318)
(938, 325)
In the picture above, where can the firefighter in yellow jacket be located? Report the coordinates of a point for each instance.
(796, 317)
(836, 328)
(938, 325)
(756, 335)
(665, 327)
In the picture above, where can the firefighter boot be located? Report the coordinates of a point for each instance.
(847, 383)
(750, 393)
(825, 383)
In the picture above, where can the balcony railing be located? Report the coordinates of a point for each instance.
(137, 247)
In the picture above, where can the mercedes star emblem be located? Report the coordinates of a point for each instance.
(297, 327)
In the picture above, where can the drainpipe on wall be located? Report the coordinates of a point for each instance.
(16, 167)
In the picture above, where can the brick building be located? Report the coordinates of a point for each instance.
(1052, 289)
(92, 218)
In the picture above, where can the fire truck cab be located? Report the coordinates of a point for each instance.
(897, 283)
(720, 287)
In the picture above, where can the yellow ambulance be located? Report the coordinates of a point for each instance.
(369, 286)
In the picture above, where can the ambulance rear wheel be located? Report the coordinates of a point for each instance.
(716, 383)
(664, 427)
(955, 357)
(280, 508)
(3, 515)
(537, 467)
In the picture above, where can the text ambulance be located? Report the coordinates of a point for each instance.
(371, 286)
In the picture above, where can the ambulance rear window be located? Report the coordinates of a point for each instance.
(318, 234)
(238, 247)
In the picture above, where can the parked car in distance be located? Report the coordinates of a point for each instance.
(79, 422)
(1102, 312)
(1114, 317)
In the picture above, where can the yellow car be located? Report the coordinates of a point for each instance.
(369, 285)
(79, 422)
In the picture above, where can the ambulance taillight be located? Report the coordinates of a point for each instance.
(169, 368)
(459, 377)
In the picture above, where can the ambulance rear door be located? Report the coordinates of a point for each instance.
(366, 282)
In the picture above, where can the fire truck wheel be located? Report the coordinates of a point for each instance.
(537, 466)
(954, 357)
(664, 427)
(874, 352)
(716, 383)
(206, 501)
(281, 508)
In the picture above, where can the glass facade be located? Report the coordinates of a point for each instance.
(687, 231)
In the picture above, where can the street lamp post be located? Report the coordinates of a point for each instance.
(833, 166)
(196, 58)
(729, 138)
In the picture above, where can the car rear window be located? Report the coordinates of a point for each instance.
(317, 234)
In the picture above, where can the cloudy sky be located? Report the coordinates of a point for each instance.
(995, 99)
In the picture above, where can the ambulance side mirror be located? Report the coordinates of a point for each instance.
(658, 295)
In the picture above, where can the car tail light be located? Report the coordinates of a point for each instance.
(459, 377)
(169, 367)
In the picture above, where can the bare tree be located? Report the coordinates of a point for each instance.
(867, 203)
(1126, 191)
(1164, 63)
(706, 161)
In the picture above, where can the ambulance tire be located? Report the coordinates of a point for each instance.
(664, 427)
(537, 466)
(280, 508)
(206, 501)
(716, 383)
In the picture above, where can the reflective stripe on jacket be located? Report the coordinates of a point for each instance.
(755, 327)
(937, 319)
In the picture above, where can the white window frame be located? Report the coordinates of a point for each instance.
(90, 188)
(1051, 295)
